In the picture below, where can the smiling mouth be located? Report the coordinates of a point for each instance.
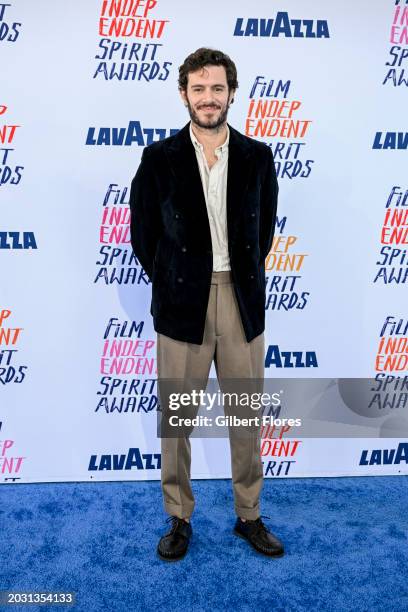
(208, 108)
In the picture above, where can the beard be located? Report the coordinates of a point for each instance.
(208, 124)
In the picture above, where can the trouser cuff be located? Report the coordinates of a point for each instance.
(179, 511)
(250, 514)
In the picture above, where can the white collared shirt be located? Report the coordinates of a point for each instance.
(214, 181)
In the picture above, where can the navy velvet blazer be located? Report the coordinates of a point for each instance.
(170, 231)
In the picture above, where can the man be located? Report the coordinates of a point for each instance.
(203, 209)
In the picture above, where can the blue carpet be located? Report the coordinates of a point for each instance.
(345, 538)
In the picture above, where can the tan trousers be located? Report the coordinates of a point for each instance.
(234, 357)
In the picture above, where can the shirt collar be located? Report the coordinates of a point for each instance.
(199, 147)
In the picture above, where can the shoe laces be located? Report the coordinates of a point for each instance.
(258, 524)
(175, 520)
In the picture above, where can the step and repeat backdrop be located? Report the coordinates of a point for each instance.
(85, 86)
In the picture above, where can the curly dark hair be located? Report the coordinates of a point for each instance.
(205, 56)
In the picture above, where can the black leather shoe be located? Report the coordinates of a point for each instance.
(174, 544)
(259, 537)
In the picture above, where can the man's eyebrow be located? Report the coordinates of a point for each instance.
(215, 85)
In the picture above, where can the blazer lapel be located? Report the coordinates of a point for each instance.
(183, 163)
(239, 169)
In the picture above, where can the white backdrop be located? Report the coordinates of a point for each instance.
(67, 269)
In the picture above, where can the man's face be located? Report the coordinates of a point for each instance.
(207, 96)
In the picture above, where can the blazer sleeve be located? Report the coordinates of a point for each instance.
(145, 219)
(269, 204)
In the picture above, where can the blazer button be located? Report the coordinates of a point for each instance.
(176, 216)
(179, 279)
(184, 249)
(209, 252)
(252, 276)
(248, 246)
(252, 214)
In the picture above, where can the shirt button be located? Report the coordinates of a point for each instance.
(184, 249)
(179, 279)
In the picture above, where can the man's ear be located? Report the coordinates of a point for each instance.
(182, 95)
